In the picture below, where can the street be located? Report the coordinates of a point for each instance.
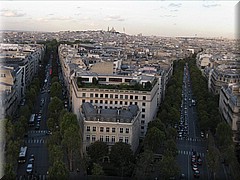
(191, 141)
(36, 138)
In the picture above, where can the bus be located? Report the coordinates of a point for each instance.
(22, 155)
(31, 120)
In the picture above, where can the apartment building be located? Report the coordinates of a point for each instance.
(203, 60)
(27, 57)
(223, 75)
(114, 91)
(229, 107)
(110, 125)
(9, 96)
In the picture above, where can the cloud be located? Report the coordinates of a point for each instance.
(210, 5)
(64, 18)
(50, 14)
(168, 16)
(114, 18)
(174, 10)
(175, 5)
(11, 13)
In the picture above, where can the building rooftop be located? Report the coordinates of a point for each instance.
(124, 115)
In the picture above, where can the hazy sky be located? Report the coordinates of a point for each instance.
(163, 18)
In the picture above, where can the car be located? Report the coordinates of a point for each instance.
(202, 134)
(37, 127)
(199, 161)
(32, 156)
(48, 133)
(29, 169)
(196, 174)
(195, 168)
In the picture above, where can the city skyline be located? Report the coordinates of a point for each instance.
(160, 18)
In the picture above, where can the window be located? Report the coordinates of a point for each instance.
(116, 96)
(111, 102)
(88, 138)
(111, 95)
(126, 96)
(88, 128)
(96, 95)
(136, 97)
(144, 97)
(91, 101)
(101, 101)
(101, 138)
(143, 115)
(143, 104)
(96, 101)
(126, 102)
(106, 95)
(116, 102)
(136, 103)
(101, 95)
(113, 139)
(113, 130)
(106, 101)
(93, 138)
(126, 140)
(142, 122)
(94, 128)
(83, 94)
(120, 139)
(101, 129)
(142, 127)
(106, 107)
(107, 129)
(121, 130)
(120, 102)
(121, 96)
(130, 102)
(83, 101)
(143, 110)
(107, 138)
(91, 94)
(131, 97)
(127, 130)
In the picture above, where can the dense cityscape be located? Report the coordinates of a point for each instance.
(104, 104)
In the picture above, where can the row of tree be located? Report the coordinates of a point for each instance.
(15, 128)
(64, 145)
(220, 143)
(159, 145)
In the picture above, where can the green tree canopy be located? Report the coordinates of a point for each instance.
(121, 154)
(56, 90)
(154, 139)
(98, 150)
(58, 171)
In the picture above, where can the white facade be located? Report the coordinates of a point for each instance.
(229, 106)
(147, 101)
(109, 126)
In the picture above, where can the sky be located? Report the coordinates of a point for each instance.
(160, 18)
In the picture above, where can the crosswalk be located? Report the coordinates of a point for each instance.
(31, 177)
(37, 132)
(192, 139)
(189, 153)
(35, 141)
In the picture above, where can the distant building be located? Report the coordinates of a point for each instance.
(110, 125)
